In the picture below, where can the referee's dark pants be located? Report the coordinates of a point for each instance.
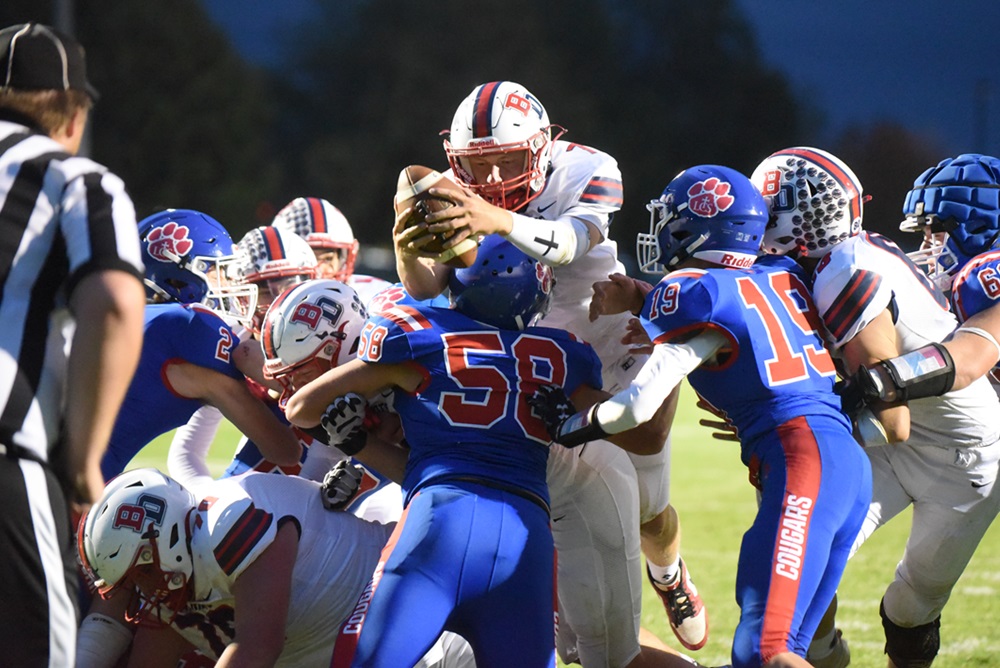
(38, 581)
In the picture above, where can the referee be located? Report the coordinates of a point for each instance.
(71, 303)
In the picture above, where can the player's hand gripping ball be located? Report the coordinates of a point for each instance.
(411, 191)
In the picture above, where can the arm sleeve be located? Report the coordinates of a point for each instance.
(554, 242)
(666, 367)
(188, 453)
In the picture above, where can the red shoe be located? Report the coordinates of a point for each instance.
(684, 607)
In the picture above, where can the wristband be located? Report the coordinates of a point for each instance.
(580, 428)
(925, 372)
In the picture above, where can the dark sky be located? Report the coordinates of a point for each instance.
(930, 65)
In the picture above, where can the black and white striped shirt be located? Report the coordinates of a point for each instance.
(61, 217)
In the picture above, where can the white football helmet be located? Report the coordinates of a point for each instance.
(137, 535)
(273, 260)
(502, 117)
(325, 229)
(315, 323)
(814, 198)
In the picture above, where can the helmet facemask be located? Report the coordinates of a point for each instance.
(502, 118)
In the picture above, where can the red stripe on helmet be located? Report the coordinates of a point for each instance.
(318, 214)
(275, 249)
(482, 114)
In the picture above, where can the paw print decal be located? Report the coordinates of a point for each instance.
(169, 243)
(709, 197)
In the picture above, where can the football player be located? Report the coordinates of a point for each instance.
(477, 454)
(747, 337)
(271, 261)
(954, 206)
(253, 568)
(938, 454)
(188, 354)
(312, 328)
(554, 200)
(328, 233)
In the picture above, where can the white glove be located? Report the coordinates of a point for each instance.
(340, 484)
(344, 423)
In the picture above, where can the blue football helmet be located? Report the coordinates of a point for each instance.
(504, 287)
(956, 206)
(191, 259)
(707, 212)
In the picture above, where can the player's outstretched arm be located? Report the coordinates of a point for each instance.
(276, 441)
(974, 347)
(305, 408)
(618, 294)
(262, 594)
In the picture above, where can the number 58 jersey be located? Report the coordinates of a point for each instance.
(470, 417)
(775, 366)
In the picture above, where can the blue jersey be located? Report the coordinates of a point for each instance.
(977, 286)
(775, 367)
(173, 333)
(470, 415)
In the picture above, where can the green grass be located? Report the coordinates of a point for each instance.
(716, 503)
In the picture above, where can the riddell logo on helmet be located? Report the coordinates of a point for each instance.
(709, 197)
(482, 143)
(169, 242)
(739, 261)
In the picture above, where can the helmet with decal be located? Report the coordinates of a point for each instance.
(502, 118)
(314, 325)
(137, 535)
(708, 212)
(815, 201)
(190, 259)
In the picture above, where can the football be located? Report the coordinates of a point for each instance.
(411, 191)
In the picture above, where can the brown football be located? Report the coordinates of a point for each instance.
(411, 191)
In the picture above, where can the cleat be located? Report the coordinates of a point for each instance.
(685, 610)
(839, 655)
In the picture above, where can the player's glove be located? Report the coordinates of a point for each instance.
(857, 392)
(344, 423)
(341, 484)
(563, 423)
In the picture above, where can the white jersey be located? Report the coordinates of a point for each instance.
(585, 184)
(367, 286)
(867, 274)
(237, 519)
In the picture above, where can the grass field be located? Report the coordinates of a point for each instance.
(716, 504)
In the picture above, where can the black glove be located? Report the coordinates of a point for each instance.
(550, 403)
(344, 423)
(341, 484)
(857, 392)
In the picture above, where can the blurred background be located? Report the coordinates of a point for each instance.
(234, 107)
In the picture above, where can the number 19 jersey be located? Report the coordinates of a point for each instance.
(775, 366)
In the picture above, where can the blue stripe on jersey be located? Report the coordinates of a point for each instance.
(851, 302)
(242, 538)
(603, 191)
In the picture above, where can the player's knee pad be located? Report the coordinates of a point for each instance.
(913, 647)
